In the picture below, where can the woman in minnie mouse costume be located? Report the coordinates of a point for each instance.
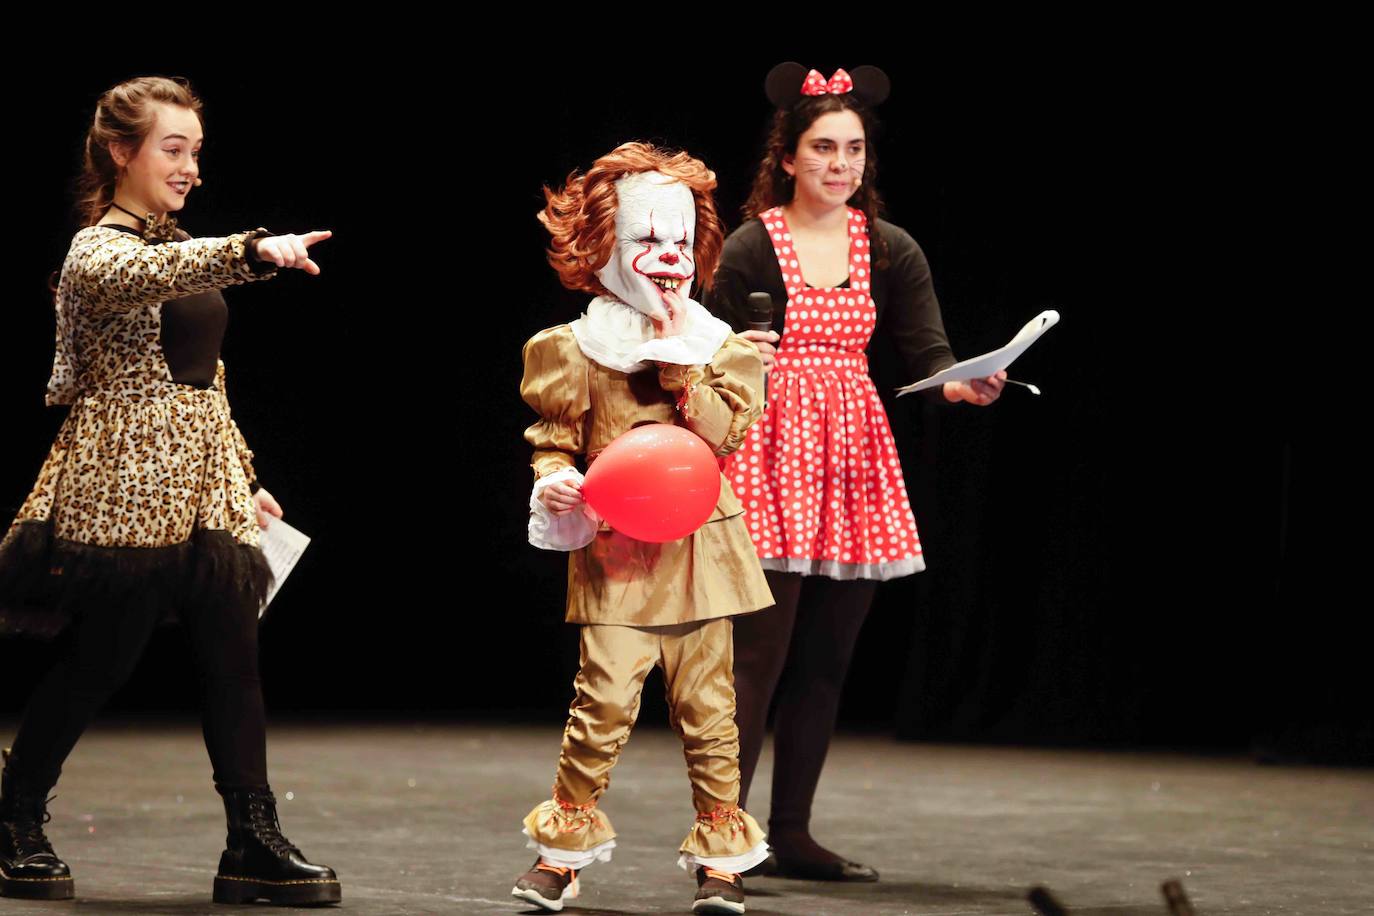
(819, 473)
(637, 231)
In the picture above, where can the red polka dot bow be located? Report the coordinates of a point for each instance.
(839, 84)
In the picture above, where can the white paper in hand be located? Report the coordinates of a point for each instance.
(993, 362)
(283, 546)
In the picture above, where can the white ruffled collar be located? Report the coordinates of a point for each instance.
(620, 337)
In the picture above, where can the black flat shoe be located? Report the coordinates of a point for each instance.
(825, 871)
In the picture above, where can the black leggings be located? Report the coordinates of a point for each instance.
(103, 647)
(807, 639)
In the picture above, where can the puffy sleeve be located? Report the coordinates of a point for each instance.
(555, 385)
(119, 271)
(719, 401)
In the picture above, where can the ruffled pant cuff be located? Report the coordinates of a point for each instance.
(566, 858)
(728, 839)
(743, 862)
(573, 829)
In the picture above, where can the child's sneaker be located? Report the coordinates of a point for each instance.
(718, 892)
(549, 885)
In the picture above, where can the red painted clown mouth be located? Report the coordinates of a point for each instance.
(670, 281)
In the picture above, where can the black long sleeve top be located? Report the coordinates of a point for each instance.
(903, 293)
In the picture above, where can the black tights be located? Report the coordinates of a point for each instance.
(103, 647)
(807, 640)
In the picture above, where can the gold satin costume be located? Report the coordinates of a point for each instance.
(643, 604)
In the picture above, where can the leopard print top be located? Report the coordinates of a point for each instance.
(141, 460)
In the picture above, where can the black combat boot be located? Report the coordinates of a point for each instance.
(260, 863)
(28, 866)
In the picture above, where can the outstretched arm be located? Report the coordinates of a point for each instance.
(122, 272)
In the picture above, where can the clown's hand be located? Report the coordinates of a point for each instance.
(562, 498)
(560, 518)
(677, 316)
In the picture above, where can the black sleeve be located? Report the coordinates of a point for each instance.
(911, 315)
(258, 265)
(747, 265)
(728, 297)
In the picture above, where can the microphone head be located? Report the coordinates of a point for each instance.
(760, 311)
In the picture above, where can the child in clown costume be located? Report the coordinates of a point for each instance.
(636, 231)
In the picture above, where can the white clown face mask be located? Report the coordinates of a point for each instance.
(655, 225)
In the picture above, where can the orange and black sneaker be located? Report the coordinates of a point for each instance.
(718, 892)
(548, 886)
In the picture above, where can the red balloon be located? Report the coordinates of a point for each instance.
(657, 483)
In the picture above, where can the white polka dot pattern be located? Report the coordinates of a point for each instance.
(819, 473)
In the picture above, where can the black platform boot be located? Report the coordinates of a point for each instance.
(28, 866)
(260, 863)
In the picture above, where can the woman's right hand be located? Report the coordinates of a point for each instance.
(764, 340)
(290, 250)
(561, 498)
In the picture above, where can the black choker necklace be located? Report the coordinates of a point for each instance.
(130, 212)
(155, 228)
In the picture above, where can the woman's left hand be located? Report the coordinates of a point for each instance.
(267, 505)
(979, 391)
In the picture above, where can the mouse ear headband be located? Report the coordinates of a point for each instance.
(788, 82)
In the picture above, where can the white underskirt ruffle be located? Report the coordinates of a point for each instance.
(833, 569)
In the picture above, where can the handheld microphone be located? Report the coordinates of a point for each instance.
(760, 312)
(761, 319)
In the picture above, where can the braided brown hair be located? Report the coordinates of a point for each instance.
(125, 114)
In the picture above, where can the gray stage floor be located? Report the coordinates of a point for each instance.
(426, 819)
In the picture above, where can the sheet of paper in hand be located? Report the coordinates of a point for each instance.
(991, 362)
(283, 546)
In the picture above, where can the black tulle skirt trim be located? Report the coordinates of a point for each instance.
(43, 579)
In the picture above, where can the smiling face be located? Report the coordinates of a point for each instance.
(829, 162)
(655, 222)
(161, 173)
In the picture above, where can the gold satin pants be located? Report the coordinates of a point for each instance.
(697, 662)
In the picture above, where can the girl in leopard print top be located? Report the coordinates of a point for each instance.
(147, 505)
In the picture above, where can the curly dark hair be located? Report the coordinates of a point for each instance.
(773, 186)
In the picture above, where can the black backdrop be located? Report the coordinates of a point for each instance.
(1113, 563)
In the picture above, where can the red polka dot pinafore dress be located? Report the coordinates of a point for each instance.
(819, 474)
